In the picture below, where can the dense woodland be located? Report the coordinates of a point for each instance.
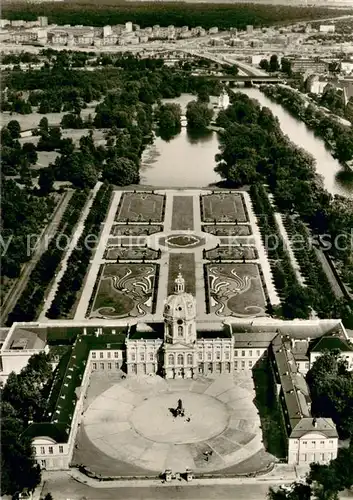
(23, 399)
(128, 93)
(254, 150)
(111, 12)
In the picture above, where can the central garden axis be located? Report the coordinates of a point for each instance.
(213, 235)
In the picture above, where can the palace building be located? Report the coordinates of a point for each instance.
(180, 346)
(182, 350)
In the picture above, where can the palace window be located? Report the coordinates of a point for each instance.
(108, 354)
(235, 353)
(51, 451)
(258, 353)
(116, 354)
(243, 353)
(218, 355)
(226, 354)
(250, 353)
(243, 364)
(200, 356)
(94, 366)
(94, 355)
(101, 355)
(117, 366)
(180, 359)
(109, 366)
(209, 356)
(142, 356)
(133, 356)
(171, 359)
(61, 449)
(228, 367)
(180, 331)
(235, 365)
(250, 364)
(102, 366)
(42, 450)
(151, 356)
(189, 359)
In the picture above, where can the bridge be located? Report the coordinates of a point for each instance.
(245, 78)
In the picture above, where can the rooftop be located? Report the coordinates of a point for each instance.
(321, 425)
(332, 343)
(26, 338)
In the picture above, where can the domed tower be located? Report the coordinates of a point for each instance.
(180, 315)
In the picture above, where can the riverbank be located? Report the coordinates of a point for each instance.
(337, 135)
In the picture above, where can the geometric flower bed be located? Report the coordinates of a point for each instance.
(125, 290)
(141, 207)
(232, 253)
(134, 230)
(229, 230)
(223, 207)
(235, 290)
(132, 253)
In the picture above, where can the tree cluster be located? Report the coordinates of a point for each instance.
(15, 158)
(168, 118)
(23, 399)
(27, 306)
(331, 389)
(71, 282)
(224, 16)
(198, 116)
(23, 215)
(337, 137)
(294, 298)
(253, 148)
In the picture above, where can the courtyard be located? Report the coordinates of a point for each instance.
(124, 290)
(128, 424)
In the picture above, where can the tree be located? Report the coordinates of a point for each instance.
(29, 150)
(264, 64)
(286, 66)
(121, 172)
(274, 64)
(198, 116)
(14, 128)
(46, 180)
(44, 124)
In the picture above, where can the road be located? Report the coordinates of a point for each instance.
(46, 235)
(63, 488)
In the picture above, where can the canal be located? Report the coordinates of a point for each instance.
(187, 161)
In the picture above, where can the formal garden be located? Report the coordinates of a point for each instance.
(141, 207)
(227, 230)
(235, 289)
(239, 252)
(223, 207)
(135, 230)
(131, 253)
(125, 290)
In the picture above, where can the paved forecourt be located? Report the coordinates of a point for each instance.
(133, 422)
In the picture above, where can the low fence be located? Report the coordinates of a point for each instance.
(99, 477)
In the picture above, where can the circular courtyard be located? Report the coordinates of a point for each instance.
(204, 417)
(134, 422)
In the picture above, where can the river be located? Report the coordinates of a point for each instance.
(185, 161)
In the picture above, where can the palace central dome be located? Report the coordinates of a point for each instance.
(180, 305)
